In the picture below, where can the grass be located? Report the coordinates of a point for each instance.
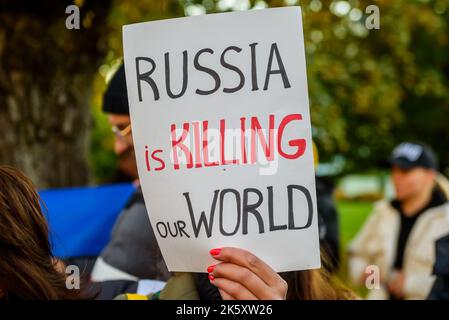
(352, 215)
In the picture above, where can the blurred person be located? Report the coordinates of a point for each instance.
(27, 268)
(133, 252)
(399, 235)
(328, 222)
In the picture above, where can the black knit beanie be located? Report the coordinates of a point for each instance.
(115, 99)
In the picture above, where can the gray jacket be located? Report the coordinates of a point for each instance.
(133, 246)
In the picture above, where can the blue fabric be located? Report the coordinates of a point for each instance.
(81, 219)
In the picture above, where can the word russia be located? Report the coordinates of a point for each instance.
(147, 66)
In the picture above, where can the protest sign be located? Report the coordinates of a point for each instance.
(221, 128)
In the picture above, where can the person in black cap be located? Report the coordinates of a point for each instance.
(398, 238)
(133, 252)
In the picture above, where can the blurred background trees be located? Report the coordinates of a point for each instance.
(46, 75)
(369, 89)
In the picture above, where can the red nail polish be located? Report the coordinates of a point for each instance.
(215, 252)
(210, 268)
(211, 277)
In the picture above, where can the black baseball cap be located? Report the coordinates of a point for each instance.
(409, 155)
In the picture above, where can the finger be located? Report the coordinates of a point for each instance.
(250, 261)
(245, 277)
(225, 295)
(233, 289)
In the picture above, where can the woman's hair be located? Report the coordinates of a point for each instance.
(27, 267)
(317, 284)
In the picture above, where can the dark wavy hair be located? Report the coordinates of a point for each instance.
(27, 268)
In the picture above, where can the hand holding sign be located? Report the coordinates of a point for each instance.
(243, 276)
(221, 128)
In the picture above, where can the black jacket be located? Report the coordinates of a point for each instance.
(328, 223)
(440, 289)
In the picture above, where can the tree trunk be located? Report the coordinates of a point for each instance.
(46, 73)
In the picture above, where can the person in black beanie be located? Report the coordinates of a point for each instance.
(115, 104)
(133, 252)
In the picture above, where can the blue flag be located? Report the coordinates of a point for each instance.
(81, 219)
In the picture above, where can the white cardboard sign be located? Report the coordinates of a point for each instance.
(221, 127)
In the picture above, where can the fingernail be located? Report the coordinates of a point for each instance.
(211, 277)
(210, 269)
(215, 252)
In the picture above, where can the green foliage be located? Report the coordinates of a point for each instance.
(369, 89)
(102, 158)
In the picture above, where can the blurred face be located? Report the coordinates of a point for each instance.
(410, 183)
(123, 144)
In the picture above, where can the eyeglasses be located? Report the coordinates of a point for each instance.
(122, 132)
